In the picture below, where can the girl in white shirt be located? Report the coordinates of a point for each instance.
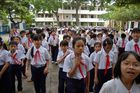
(127, 75)
(77, 66)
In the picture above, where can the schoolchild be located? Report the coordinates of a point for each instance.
(104, 64)
(38, 57)
(44, 42)
(77, 66)
(121, 43)
(97, 48)
(64, 51)
(17, 57)
(5, 81)
(126, 75)
(134, 44)
(53, 42)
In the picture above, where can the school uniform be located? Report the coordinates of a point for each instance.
(92, 57)
(121, 43)
(62, 74)
(76, 83)
(133, 46)
(91, 44)
(54, 42)
(29, 43)
(45, 44)
(38, 61)
(16, 69)
(5, 80)
(86, 50)
(104, 71)
(116, 86)
(21, 48)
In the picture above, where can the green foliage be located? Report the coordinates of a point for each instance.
(125, 13)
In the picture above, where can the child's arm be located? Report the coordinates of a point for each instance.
(113, 66)
(6, 65)
(87, 82)
(46, 68)
(96, 74)
(61, 59)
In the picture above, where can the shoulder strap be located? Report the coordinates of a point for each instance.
(32, 52)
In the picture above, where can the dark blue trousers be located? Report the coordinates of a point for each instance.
(75, 85)
(91, 80)
(16, 71)
(62, 81)
(103, 78)
(54, 51)
(39, 79)
(5, 82)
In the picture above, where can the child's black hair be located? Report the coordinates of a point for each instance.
(13, 43)
(107, 41)
(123, 35)
(37, 37)
(66, 36)
(76, 39)
(135, 30)
(64, 43)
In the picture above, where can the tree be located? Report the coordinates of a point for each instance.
(15, 10)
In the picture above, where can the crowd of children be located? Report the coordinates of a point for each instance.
(89, 62)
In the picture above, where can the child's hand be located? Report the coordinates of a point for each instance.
(96, 81)
(46, 71)
(77, 61)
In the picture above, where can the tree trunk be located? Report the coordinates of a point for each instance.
(77, 14)
(57, 18)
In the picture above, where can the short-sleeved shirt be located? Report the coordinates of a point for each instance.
(44, 56)
(120, 42)
(69, 64)
(18, 56)
(100, 59)
(92, 56)
(21, 48)
(130, 46)
(4, 56)
(116, 86)
(61, 54)
(53, 41)
(45, 44)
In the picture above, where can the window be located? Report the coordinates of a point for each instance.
(40, 15)
(83, 16)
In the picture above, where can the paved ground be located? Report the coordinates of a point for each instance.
(51, 81)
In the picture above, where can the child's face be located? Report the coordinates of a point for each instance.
(16, 39)
(79, 46)
(136, 36)
(37, 43)
(64, 48)
(107, 48)
(13, 47)
(130, 68)
(97, 47)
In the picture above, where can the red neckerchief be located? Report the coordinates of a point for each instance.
(136, 47)
(80, 69)
(123, 43)
(29, 42)
(16, 61)
(107, 64)
(37, 56)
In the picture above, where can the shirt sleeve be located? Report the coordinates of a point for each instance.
(67, 64)
(28, 54)
(47, 55)
(127, 47)
(90, 66)
(7, 57)
(104, 89)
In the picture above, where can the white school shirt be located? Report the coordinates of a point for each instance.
(69, 63)
(52, 41)
(86, 50)
(92, 42)
(101, 59)
(60, 55)
(119, 42)
(45, 44)
(21, 48)
(24, 40)
(130, 45)
(92, 56)
(4, 56)
(115, 51)
(19, 55)
(116, 86)
(44, 56)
